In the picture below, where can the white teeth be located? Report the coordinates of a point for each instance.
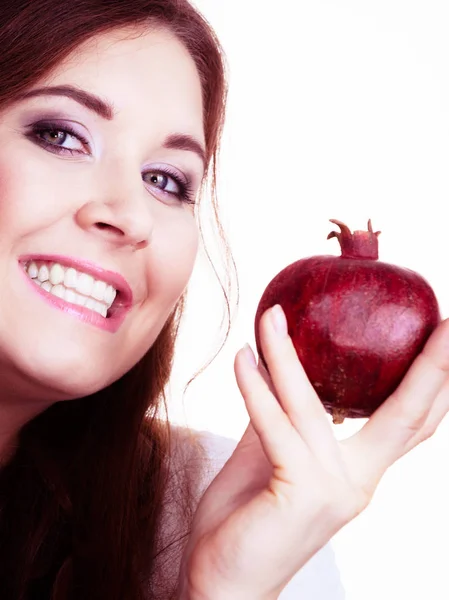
(33, 271)
(70, 278)
(80, 300)
(58, 290)
(43, 274)
(101, 308)
(85, 284)
(56, 274)
(109, 295)
(70, 296)
(99, 290)
(91, 303)
(73, 286)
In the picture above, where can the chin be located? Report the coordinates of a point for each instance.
(64, 374)
(66, 382)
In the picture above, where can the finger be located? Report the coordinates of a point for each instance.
(295, 392)
(398, 423)
(280, 441)
(437, 413)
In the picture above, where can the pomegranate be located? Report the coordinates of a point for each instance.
(356, 323)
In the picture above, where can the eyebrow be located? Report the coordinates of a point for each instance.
(104, 109)
(90, 101)
(182, 141)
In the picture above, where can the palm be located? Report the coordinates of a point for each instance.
(247, 490)
(290, 485)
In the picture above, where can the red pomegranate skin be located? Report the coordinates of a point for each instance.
(356, 323)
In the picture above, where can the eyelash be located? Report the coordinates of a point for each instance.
(186, 193)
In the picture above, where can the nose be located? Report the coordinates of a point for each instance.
(121, 213)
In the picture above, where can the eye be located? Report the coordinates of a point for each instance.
(164, 182)
(59, 138)
(170, 183)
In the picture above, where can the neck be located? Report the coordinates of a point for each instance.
(12, 419)
(16, 410)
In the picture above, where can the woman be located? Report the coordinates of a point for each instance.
(111, 114)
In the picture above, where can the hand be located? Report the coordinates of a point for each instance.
(290, 485)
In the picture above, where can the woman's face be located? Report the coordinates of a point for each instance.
(99, 165)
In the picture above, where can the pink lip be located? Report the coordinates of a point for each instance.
(116, 313)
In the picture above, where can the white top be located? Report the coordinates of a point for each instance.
(319, 579)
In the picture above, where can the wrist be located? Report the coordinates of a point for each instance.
(199, 588)
(225, 596)
(186, 594)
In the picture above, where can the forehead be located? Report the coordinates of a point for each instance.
(147, 74)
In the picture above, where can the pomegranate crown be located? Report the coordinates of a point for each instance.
(359, 244)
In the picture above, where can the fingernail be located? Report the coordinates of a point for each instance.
(279, 321)
(249, 356)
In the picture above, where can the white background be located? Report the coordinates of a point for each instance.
(337, 109)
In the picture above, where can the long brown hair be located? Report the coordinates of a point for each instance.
(82, 498)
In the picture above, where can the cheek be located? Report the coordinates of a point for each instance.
(174, 253)
(21, 199)
(30, 193)
(169, 263)
(11, 191)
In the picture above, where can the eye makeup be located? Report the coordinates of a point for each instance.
(63, 131)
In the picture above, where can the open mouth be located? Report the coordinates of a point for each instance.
(74, 286)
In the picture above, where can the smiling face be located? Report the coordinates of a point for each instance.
(99, 166)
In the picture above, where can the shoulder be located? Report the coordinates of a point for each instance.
(206, 454)
(194, 458)
(197, 457)
(214, 451)
(211, 449)
(186, 477)
(213, 446)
